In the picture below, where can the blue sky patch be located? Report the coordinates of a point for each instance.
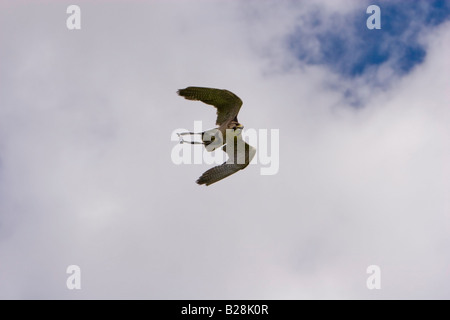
(348, 47)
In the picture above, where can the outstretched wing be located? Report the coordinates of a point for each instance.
(227, 103)
(220, 172)
(241, 161)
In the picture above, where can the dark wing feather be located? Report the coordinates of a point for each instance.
(226, 102)
(220, 172)
(238, 159)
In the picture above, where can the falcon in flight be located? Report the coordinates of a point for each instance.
(240, 153)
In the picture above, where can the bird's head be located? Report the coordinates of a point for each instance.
(238, 128)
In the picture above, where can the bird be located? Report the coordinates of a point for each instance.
(227, 105)
(240, 153)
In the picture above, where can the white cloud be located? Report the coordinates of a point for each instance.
(85, 124)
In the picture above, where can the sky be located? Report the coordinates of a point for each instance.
(87, 178)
